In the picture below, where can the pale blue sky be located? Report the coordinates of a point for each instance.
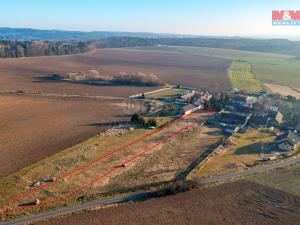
(203, 17)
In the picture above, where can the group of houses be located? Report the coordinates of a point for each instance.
(256, 111)
(242, 111)
(192, 100)
(237, 113)
(259, 112)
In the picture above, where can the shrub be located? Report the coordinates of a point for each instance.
(151, 123)
(177, 187)
(137, 120)
(132, 78)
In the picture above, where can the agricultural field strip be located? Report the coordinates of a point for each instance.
(86, 165)
(42, 94)
(242, 76)
(151, 92)
(271, 68)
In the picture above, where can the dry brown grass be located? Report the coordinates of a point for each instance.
(162, 163)
(171, 161)
(245, 150)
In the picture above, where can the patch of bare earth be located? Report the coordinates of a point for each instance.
(284, 90)
(240, 203)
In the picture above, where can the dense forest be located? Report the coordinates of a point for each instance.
(14, 49)
(282, 46)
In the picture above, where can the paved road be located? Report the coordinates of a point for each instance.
(135, 197)
(251, 171)
(90, 205)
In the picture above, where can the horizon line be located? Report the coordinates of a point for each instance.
(258, 36)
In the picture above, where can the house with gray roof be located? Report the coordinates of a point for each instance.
(288, 141)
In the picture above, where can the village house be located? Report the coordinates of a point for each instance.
(245, 100)
(190, 108)
(197, 103)
(232, 123)
(242, 110)
(271, 105)
(276, 118)
(288, 141)
(260, 120)
(188, 96)
(239, 99)
(180, 101)
(259, 94)
(203, 96)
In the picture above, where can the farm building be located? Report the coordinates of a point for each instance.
(230, 118)
(276, 118)
(231, 122)
(239, 99)
(188, 96)
(245, 100)
(288, 141)
(242, 110)
(271, 105)
(259, 120)
(190, 108)
(203, 96)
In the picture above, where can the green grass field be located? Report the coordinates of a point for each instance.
(270, 68)
(285, 179)
(242, 77)
(165, 93)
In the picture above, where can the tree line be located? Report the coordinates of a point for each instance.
(15, 49)
(47, 48)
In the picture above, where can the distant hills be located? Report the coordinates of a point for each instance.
(26, 34)
(20, 42)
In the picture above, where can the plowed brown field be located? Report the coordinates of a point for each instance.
(241, 203)
(32, 128)
(31, 74)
